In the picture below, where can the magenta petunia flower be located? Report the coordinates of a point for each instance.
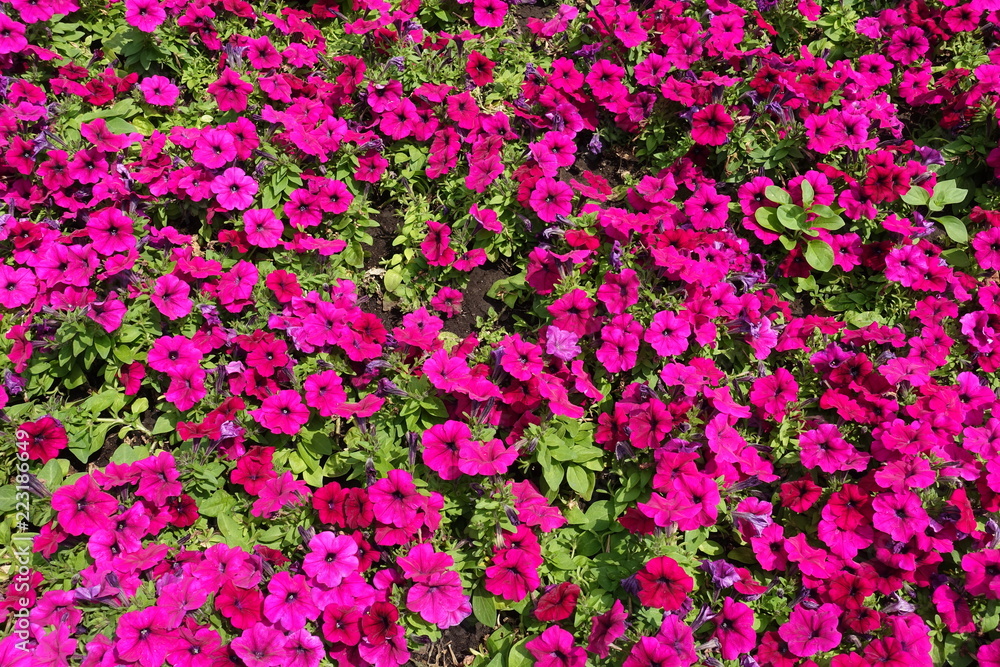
(663, 584)
(18, 287)
(159, 91)
(282, 413)
(606, 628)
(555, 648)
(145, 15)
(331, 558)
(234, 189)
(812, 631)
(261, 646)
(489, 13)
(734, 629)
(551, 198)
(441, 444)
(12, 38)
(171, 296)
(395, 498)
(513, 575)
(82, 508)
(111, 230)
(438, 599)
(711, 125)
(170, 352)
(303, 650)
(557, 603)
(231, 91)
(46, 437)
(142, 637)
(485, 458)
(900, 515)
(290, 602)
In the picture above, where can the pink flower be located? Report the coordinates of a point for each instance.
(12, 38)
(171, 296)
(234, 189)
(619, 291)
(734, 629)
(231, 91)
(158, 90)
(290, 603)
(606, 628)
(18, 287)
(441, 444)
(261, 646)
(142, 637)
(513, 575)
(663, 584)
(262, 227)
(187, 386)
(487, 458)
(303, 650)
(668, 333)
(331, 558)
(170, 352)
(145, 15)
(395, 498)
(900, 515)
(282, 413)
(109, 313)
(278, 492)
(489, 13)
(111, 231)
(711, 125)
(550, 198)
(811, 631)
(82, 508)
(555, 648)
(448, 301)
(438, 599)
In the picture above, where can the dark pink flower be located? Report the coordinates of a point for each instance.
(812, 631)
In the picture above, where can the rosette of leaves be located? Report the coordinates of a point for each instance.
(800, 225)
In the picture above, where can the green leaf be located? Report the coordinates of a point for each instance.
(581, 480)
(777, 195)
(485, 608)
(808, 193)
(917, 196)
(946, 192)
(162, 425)
(125, 454)
(819, 254)
(393, 279)
(219, 503)
(232, 531)
(768, 219)
(954, 228)
(792, 217)
(519, 656)
(553, 476)
(788, 243)
(8, 498)
(956, 258)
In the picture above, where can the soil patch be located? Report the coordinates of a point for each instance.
(455, 647)
(522, 13)
(381, 248)
(475, 303)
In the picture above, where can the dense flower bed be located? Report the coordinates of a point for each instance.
(653, 334)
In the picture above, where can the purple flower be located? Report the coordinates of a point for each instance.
(723, 574)
(561, 343)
